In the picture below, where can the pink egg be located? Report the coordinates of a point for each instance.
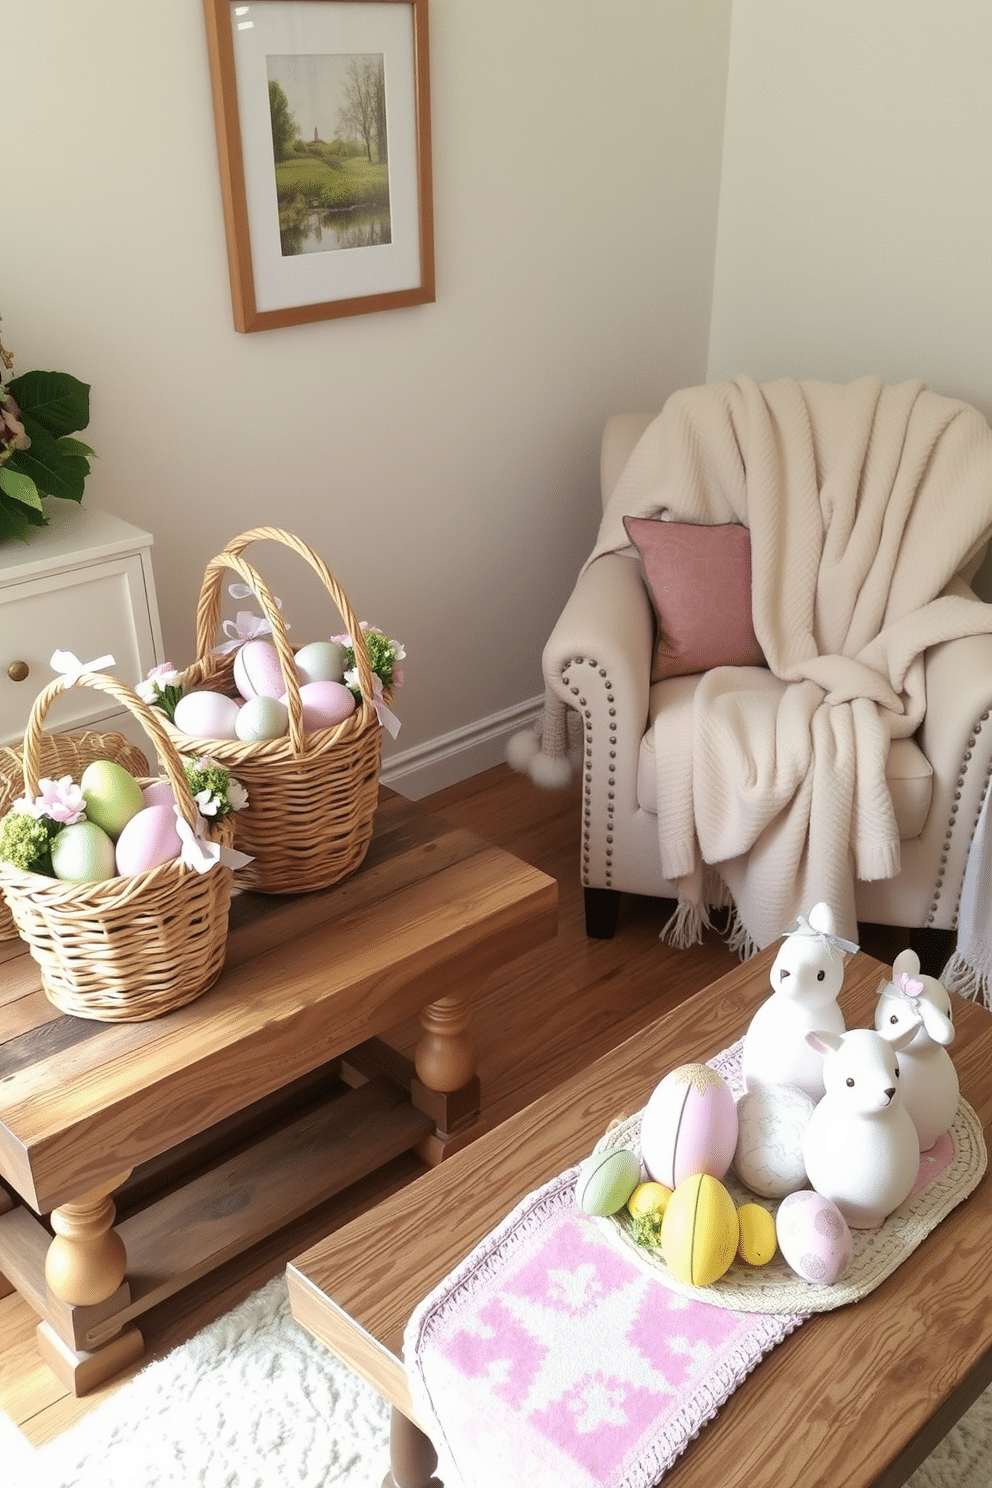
(689, 1126)
(149, 838)
(257, 672)
(325, 704)
(814, 1237)
(159, 793)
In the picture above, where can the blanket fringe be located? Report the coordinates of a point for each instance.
(686, 926)
(967, 981)
(739, 941)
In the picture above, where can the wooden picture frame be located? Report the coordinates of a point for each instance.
(322, 111)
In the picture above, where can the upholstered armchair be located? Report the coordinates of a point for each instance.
(601, 656)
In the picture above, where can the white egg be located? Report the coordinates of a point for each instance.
(772, 1120)
(261, 718)
(206, 715)
(320, 661)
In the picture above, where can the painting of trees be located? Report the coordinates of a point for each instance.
(363, 113)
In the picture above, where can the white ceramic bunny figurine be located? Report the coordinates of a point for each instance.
(930, 1089)
(806, 977)
(860, 1147)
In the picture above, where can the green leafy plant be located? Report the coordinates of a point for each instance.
(40, 412)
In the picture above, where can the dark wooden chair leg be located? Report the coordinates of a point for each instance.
(412, 1458)
(934, 948)
(602, 913)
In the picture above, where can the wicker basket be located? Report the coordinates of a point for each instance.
(61, 754)
(311, 797)
(124, 949)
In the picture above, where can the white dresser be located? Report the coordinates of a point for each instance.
(82, 584)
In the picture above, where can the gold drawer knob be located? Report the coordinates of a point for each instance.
(18, 671)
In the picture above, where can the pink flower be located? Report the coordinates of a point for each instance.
(62, 800)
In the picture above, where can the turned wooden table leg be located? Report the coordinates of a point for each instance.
(446, 1086)
(85, 1264)
(86, 1260)
(412, 1458)
(446, 1057)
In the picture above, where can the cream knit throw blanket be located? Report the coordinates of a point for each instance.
(863, 502)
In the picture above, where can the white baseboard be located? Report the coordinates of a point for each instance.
(453, 757)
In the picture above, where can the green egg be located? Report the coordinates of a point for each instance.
(83, 853)
(607, 1179)
(112, 796)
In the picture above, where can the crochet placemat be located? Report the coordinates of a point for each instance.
(550, 1357)
(948, 1173)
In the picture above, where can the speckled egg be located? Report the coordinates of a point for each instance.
(606, 1180)
(814, 1237)
(700, 1231)
(320, 661)
(257, 672)
(206, 715)
(149, 838)
(261, 718)
(689, 1125)
(772, 1121)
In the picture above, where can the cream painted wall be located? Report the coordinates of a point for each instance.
(443, 458)
(855, 225)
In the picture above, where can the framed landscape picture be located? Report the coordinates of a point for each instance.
(322, 110)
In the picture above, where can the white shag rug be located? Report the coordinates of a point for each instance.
(254, 1402)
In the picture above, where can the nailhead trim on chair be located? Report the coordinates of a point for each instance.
(611, 769)
(948, 835)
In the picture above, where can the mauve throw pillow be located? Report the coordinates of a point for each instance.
(699, 579)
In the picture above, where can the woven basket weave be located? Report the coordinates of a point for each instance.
(129, 948)
(61, 754)
(311, 797)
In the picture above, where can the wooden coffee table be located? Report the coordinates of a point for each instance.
(272, 1089)
(857, 1396)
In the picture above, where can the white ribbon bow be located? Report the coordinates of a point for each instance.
(387, 718)
(833, 943)
(199, 853)
(71, 667)
(245, 626)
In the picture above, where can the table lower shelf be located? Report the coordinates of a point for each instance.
(197, 1206)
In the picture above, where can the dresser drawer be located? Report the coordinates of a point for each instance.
(92, 611)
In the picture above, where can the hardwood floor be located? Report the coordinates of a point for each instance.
(543, 1017)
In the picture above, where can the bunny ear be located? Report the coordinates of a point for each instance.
(907, 961)
(823, 1041)
(937, 1024)
(904, 1036)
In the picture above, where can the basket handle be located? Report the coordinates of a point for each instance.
(146, 716)
(208, 616)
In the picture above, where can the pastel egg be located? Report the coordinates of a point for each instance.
(757, 1244)
(158, 793)
(700, 1231)
(257, 672)
(149, 838)
(320, 661)
(83, 853)
(772, 1121)
(112, 795)
(606, 1180)
(814, 1237)
(261, 718)
(689, 1125)
(206, 715)
(325, 704)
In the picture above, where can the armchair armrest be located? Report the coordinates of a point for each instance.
(598, 662)
(956, 737)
